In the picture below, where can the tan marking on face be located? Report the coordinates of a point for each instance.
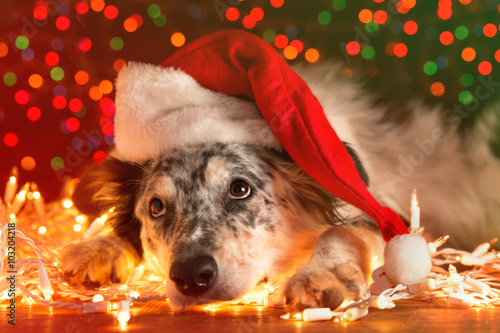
(215, 171)
(165, 187)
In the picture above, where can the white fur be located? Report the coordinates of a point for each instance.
(162, 108)
(407, 259)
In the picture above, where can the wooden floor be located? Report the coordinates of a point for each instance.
(154, 316)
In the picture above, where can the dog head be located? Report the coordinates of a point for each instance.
(216, 218)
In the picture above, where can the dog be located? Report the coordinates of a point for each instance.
(218, 218)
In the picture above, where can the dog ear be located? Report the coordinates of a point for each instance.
(357, 163)
(301, 189)
(112, 183)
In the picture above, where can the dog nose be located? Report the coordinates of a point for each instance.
(195, 276)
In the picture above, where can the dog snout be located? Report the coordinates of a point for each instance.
(194, 276)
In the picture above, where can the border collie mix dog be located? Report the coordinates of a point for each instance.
(203, 188)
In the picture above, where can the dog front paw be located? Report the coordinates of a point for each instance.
(319, 286)
(97, 262)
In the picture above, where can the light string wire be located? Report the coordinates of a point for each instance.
(39, 277)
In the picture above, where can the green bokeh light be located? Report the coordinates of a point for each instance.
(116, 43)
(154, 10)
(430, 68)
(324, 17)
(465, 97)
(57, 163)
(22, 42)
(10, 79)
(368, 52)
(371, 26)
(339, 5)
(466, 80)
(269, 35)
(461, 32)
(160, 21)
(57, 73)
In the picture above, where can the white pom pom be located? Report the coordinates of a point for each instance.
(407, 259)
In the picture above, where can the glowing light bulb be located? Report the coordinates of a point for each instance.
(381, 302)
(11, 186)
(483, 248)
(94, 228)
(437, 243)
(77, 227)
(353, 314)
(123, 314)
(469, 260)
(414, 212)
(286, 316)
(42, 230)
(455, 280)
(12, 216)
(137, 273)
(134, 294)
(20, 199)
(67, 203)
(479, 286)
(80, 218)
(38, 201)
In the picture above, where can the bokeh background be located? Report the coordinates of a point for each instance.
(59, 59)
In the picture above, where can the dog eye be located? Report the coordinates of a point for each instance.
(239, 190)
(156, 208)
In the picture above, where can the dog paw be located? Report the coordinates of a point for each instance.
(319, 286)
(97, 262)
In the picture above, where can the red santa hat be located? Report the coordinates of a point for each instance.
(192, 98)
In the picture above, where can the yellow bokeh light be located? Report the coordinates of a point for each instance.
(35, 81)
(178, 39)
(312, 55)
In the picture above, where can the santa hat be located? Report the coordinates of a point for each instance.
(192, 98)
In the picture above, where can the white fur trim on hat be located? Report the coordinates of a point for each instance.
(162, 108)
(407, 259)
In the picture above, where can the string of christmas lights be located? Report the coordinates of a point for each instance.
(39, 279)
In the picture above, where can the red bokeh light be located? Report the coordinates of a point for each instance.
(411, 27)
(297, 44)
(10, 139)
(107, 106)
(110, 12)
(484, 68)
(59, 102)
(446, 38)
(257, 13)
(352, 48)
(62, 23)
(22, 97)
(99, 156)
(40, 13)
(400, 50)
(232, 14)
(281, 41)
(34, 113)
(249, 22)
(51, 58)
(380, 16)
(72, 124)
(81, 7)
(84, 44)
(75, 104)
